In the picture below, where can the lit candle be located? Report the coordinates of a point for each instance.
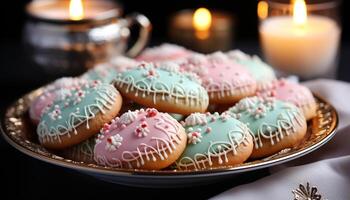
(203, 30)
(73, 10)
(299, 44)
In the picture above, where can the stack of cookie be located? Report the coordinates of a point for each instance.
(180, 108)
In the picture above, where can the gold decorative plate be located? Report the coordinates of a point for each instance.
(20, 133)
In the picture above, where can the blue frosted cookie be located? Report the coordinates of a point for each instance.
(214, 141)
(78, 114)
(164, 88)
(274, 124)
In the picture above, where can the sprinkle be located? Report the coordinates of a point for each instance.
(151, 112)
(142, 130)
(194, 137)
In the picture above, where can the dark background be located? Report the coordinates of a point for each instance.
(29, 178)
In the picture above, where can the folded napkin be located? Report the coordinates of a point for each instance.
(328, 168)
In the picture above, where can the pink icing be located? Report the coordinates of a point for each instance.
(163, 53)
(218, 72)
(137, 136)
(288, 91)
(50, 93)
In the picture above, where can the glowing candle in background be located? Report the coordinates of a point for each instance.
(201, 21)
(202, 30)
(300, 44)
(76, 10)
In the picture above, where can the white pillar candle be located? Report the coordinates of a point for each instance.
(307, 50)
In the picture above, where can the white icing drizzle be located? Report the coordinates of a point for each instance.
(236, 86)
(104, 101)
(145, 88)
(218, 150)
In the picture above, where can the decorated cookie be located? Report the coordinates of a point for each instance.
(294, 93)
(106, 72)
(78, 114)
(225, 81)
(51, 92)
(274, 124)
(144, 139)
(262, 72)
(163, 53)
(214, 140)
(163, 88)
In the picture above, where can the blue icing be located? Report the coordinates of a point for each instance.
(219, 134)
(76, 106)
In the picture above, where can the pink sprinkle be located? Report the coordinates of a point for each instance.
(151, 112)
(143, 125)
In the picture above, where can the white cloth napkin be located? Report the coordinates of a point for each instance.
(327, 168)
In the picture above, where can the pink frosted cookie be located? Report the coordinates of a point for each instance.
(144, 139)
(164, 52)
(52, 91)
(225, 81)
(294, 93)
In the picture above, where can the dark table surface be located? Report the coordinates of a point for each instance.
(24, 176)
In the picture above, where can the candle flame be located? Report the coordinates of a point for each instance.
(202, 19)
(76, 10)
(263, 9)
(299, 12)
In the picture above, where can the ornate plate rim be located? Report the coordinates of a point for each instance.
(92, 168)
